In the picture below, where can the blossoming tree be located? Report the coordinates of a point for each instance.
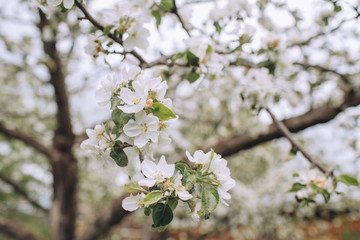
(179, 93)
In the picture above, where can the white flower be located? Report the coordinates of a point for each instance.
(137, 37)
(134, 101)
(223, 188)
(199, 157)
(143, 129)
(93, 47)
(67, 3)
(180, 189)
(130, 74)
(155, 86)
(197, 211)
(133, 202)
(97, 144)
(156, 173)
(219, 167)
(109, 85)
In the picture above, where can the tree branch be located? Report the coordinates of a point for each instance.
(99, 26)
(16, 231)
(108, 218)
(315, 116)
(285, 131)
(13, 133)
(175, 11)
(22, 192)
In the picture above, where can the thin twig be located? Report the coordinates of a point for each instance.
(175, 11)
(296, 144)
(99, 26)
(22, 192)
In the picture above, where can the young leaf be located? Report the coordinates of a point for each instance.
(167, 5)
(162, 228)
(133, 187)
(172, 202)
(182, 165)
(147, 211)
(152, 197)
(192, 76)
(192, 59)
(296, 187)
(209, 200)
(119, 156)
(120, 118)
(162, 112)
(348, 180)
(162, 215)
(115, 101)
(157, 14)
(107, 29)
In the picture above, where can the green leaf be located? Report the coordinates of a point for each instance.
(162, 228)
(157, 14)
(115, 101)
(182, 166)
(209, 49)
(270, 65)
(217, 27)
(152, 197)
(348, 180)
(172, 202)
(119, 156)
(162, 215)
(162, 112)
(147, 211)
(166, 5)
(120, 118)
(133, 187)
(209, 200)
(192, 59)
(325, 194)
(192, 76)
(107, 29)
(296, 187)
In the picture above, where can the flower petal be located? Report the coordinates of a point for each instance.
(130, 204)
(148, 168)
(147, 182)
(132, 129)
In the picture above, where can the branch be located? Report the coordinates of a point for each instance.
(16, 231)
(315, 116)
(99, 26)
(13, 133)
(285, 131)
(175, 11)
(108, 218)
(63, 135)
(19, 190)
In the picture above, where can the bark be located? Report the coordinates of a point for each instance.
(108, 218)
(23, 193)
(16, 231)
(63, 211)
(315, 116)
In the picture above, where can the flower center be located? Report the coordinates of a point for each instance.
(143, 127)
(136, 100)
(159, 176)
(149, 103)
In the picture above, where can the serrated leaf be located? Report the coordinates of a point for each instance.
(192, 59)
(162, 215)
(192, 76)
(162, 112)
(209, 200)
(119, 156)
(133, 187)
(296, 187)
(152, 197)
(348, 180)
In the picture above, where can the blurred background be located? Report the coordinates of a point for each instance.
(51, 189)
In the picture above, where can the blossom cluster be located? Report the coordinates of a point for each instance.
(202, 186)
(140, 114)
(309, 185)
